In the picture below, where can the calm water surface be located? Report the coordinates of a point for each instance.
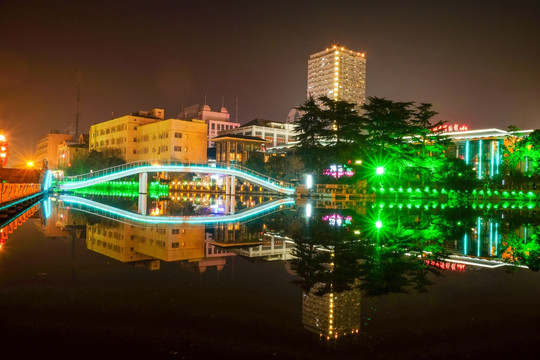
(76, 282)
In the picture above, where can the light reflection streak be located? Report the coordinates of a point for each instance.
(68, 199)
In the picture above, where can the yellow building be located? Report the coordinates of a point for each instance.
(47, 149)
(128, 243)
(145, 135)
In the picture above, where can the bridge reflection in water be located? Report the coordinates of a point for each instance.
(334, 251)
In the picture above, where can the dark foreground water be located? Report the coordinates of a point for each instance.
(61, 298)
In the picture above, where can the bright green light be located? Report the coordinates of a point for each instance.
(378, 224)
(379, 170)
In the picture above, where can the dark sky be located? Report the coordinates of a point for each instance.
(477, 62)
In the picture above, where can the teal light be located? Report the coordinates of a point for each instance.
(498, 156)
(478, 237)
(203, 219)
(467, 152)
(490, 236)
(496, 237)
(492, 160)
(479, 159)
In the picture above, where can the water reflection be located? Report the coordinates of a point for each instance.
(340, 252)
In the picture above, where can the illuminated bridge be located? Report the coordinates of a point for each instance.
(142, 168)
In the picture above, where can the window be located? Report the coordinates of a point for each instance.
(175, 231)
(178, 135)
(178, 148)
(175, 245)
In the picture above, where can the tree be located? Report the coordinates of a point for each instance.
(400, 137)
(521, 149)
(94, 161)
(329, 131)
(310, 129)
(255, 162)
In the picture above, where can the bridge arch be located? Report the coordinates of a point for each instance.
(142, 167)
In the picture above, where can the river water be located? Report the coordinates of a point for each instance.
(299, 280)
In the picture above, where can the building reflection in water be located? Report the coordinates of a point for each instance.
(333, 314)
(336, 253)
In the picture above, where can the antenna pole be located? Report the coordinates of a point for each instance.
(78, 116)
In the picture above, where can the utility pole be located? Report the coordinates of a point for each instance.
(78, 115)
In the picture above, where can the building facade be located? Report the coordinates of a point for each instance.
(275, 133)
(68, 151)
(237, 149)
(484, 149)
(217, 121)
(146, 135)
(338, 73)
(47, 149)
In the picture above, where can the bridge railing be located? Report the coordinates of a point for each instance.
(155, 163)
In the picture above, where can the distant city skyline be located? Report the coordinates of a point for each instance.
(476, 62)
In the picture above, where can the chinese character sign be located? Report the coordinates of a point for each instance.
(338, 171)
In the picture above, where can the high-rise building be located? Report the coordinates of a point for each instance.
(338, 73)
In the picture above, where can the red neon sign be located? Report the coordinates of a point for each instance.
(443, 265)
(450, 128)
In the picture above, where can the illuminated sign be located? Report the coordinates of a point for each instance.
(450, 128)
(3, 149)
(337, 220)
(443, 265)
(338, 171)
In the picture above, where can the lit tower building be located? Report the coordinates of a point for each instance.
(338, 73)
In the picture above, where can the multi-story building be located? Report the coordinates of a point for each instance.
(237, 149)
(146, 135)
(338, 73)
(47, 149)
(68, 151)
(275, 133)
(483, 148)
(217, 121)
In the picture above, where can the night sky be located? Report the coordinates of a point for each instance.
(477, 62)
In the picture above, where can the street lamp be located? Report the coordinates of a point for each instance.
(379, 170)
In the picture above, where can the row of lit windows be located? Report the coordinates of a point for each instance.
(160, 149)
(111, 130)
(220, 127)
